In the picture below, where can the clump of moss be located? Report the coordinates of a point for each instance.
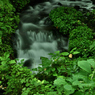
(81, 38)
(65, 19)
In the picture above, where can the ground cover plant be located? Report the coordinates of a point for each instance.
(66, 73)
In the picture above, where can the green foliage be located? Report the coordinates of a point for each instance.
(71, 77)
(57, 65)
(6, 17)
(8, 23)
(66, 19)
(71, 22)
(82, 65)
(15, 75)
(81, 31)
(81, 38)
(73, 51)
(63, 73)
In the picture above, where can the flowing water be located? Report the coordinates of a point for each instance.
(37, 37)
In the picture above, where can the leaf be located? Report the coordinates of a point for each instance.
(85, 66)
(6, 54)
(24, 88)
(93, 45)
(50, 54)
(64, 53)
(12, 61)
(61, 59)
(3, 62)
(54, 74)
(75, 52)
(11, 19)
(88, 84)
(76, 82)
(57, 52)
(78, 93)
(22, 60)
(68, 87)
(59, 81)
(92, 62)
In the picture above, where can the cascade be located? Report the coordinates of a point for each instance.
(36, 36)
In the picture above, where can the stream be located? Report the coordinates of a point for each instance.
(36, 36)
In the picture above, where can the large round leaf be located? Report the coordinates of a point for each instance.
(85, 66)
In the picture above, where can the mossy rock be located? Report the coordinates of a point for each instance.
(81, 37)
(65, 18)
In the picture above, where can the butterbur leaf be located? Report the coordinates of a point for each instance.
(92, 62)
(68, 89)
(85, 66)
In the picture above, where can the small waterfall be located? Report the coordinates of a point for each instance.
(36, 36)
(31, 45)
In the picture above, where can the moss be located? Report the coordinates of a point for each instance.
(65, 19)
